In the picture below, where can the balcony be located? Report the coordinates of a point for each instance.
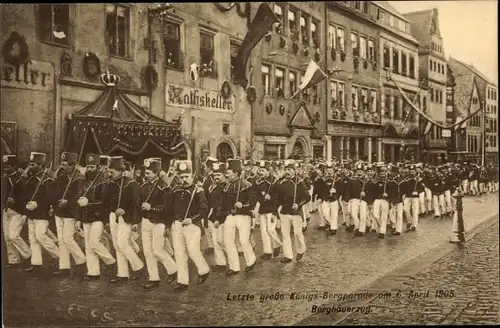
(437, 143)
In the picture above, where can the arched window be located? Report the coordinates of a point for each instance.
(224, 152)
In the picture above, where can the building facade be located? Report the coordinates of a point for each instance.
(152, 57)
(353, 98)
(285, 127)
(483, 126)
(398, 52)
(433, 74)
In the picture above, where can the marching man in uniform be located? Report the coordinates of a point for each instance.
(215, 219)
(124, 204)
(13, 212)
(39, 195)
(188, 206)
(330, 194)
(154, 197)
(237, 205)
(93, 213)
(292, 194)
(265, 193)
(69, 187)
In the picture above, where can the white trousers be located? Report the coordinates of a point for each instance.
(465, 185)
(396, 216)
(95, 249)
(331, 213)
(240, 224)
(270, 238)
(411, 210)
(38, 231)
(428, 200)
(187, 244)
(113, 228)
(153, 245)
(421, 198)
(217, 235)
(287, 221)
(474, 187)
(380, 215)
(354, 206)
(439, 205)
(448, 201)
(67, 243)
(125, 253)
(16, 247)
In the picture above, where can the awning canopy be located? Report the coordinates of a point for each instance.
(115, 125)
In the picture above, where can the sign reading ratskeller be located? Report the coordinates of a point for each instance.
(193, 98)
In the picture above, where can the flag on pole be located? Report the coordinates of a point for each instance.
(264, 19)
(313, 76)
(427, 128)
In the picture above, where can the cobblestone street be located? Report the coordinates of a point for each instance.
(463, 288)
(338, 264)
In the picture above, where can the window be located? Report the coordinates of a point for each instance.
(354, 43)
(357, 5)
(432, 93)
(373, 100)
(53, 23)
(331, 36)
(354, 95)
(380, 15)
(274, 152)
(117, 29)
(364, 99)
(489, 93)
(403, 63)
(341, 87)
(278, 11)
(440, 97)
(371, 50)
(304, 30)
(387, 52)
(234, 54)
(225, 128)
(207, 54)
(396, 108)
(387, 104)
(401, 25)
(315, 34)
(412, 66)
(292, 23)
(340, 38)
(391, 20)
(292, 78)
(365, 7)
(434, 65)
(430, 64)
(395, 60)
(362, 42)
(333, 93)
(315, 95)
(172, 45)
(266, 79)
(279, 82)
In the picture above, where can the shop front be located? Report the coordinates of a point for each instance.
(354, 141)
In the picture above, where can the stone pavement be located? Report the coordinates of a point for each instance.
(461, 288)
(337, 264)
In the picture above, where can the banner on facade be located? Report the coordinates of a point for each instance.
(33, 75)
(194, 98)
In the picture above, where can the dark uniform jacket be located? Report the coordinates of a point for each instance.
(12, 186)
(263, 187)
(45, 197)
(156, 194)
(216, 192)
(130, 199)
(70, 210)
(97, 208)
(291, 191)
(246, 197)
(437, 185)
(182, 207)
(326, 186)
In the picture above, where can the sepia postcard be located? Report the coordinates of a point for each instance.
(249, 163)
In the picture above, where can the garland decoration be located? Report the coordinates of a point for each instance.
(251, 94)
(15, 58)
(225, 90)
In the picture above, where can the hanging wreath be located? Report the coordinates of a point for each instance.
(342, 55)
(282, 42)
(356, 62)
(225, 90)
(317, 116)
(295, 47)
(150, 78)
(343, 115)
(91, 65)
(282, 110)
(333, 54)
(13, 56)
(374, 66)
(365, 64)
(335, 114)
(317, 57)
(269, 108)
(251, 94)
(367, 117)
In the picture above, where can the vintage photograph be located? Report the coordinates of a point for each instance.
(249, 163)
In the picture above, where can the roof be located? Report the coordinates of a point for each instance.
(473, 70)
(387, 6)
(123, 110)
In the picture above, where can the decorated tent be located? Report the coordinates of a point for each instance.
(115, 125)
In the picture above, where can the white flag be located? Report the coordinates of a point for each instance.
(461, 126)
(313, 76)
(427, 128)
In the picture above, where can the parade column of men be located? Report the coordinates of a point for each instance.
(222, 204)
